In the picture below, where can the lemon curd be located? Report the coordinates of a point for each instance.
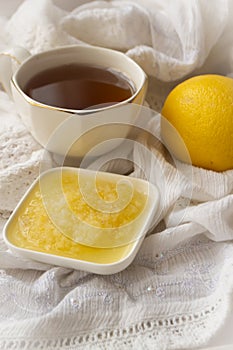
(66, 209)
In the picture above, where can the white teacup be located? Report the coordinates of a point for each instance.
(66, 131)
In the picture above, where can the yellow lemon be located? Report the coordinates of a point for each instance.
(201, 111)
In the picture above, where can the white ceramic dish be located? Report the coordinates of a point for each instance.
(75, 263)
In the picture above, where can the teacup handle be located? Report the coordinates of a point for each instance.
(9, 62)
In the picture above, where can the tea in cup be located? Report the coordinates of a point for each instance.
(76, 97)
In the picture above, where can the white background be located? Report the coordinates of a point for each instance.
(225, 334)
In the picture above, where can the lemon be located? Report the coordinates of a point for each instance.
(201, 111)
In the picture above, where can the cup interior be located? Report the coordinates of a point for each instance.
(88, 55)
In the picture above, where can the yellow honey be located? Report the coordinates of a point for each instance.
(62, 210)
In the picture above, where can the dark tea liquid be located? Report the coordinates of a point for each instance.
(79, 87)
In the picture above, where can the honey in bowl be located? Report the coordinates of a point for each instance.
(32, 228)
(78, 87)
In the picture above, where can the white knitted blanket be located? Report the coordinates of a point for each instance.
(176, 293)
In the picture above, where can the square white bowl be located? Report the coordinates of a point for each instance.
(75, 263)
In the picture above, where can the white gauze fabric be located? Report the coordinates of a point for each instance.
(176, 293)
(164, 37)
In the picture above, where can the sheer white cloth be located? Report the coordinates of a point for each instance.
(176, 293)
